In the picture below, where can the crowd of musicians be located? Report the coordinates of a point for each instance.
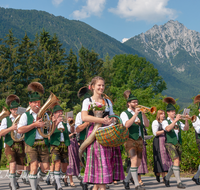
(56, 156)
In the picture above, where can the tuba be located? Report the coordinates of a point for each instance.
(145, 109)
(42, 114)
(4, 113)
(16, 137)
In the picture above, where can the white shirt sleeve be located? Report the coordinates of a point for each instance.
(182, 126)
(78, 120)
(196, 125)
(155, 126)
(22, 121)
(85, 104)
(124, 117)
(3, 124)
(68, 127)
(164, 124)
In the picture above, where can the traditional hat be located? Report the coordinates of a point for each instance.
(129, 96)
(36, 88)
(197, 100)
(170, 101)
(57, 108)
(84, 92)
(13, 101)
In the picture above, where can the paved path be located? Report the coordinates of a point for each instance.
(150, 183)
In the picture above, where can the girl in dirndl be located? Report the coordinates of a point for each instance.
(73, 169)
(162, 160)
(100, 169)
(142, 169)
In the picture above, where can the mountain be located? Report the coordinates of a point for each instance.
(175, 52)
(72, 33)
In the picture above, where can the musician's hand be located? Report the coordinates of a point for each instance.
(14, 126)
(53, 119)
(178, 117)
(69, 119)
(107, 120)
(187, 117)
(39, 123)
(137, 111)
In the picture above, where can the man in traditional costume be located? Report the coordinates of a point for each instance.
(173, 128)
(196, 126)
(135, 121)
(36, 147)
(14, 150)
(59, 142)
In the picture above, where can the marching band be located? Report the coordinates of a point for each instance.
(44, 144)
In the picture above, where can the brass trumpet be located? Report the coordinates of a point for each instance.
(192, 118)
(145, 109)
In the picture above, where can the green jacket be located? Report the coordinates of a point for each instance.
(30, 135)
(134, 128)
(55, 137)
(171, 135)
(8, 139)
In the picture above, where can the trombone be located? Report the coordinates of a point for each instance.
(145, 109)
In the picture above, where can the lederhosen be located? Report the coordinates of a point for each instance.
(35, 149)
(59, 150)
(135, 141)
(172, 144)
(14, 150)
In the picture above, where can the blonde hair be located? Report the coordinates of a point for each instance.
(158, 115)
(94, 81)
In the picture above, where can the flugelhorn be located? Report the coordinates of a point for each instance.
(14, 135)
(192, 118)
(4, 113)
(42, 114)
(145, 109)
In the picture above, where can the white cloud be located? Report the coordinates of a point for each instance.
(4, 6)
(57, 2)
(147, 10)
(92, 7)
(124, 40)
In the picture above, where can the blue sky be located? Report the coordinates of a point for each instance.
(118, 18)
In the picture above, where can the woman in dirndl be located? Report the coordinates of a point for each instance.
(73, 169)
(162, 160)
(142, 169)
(100, 169)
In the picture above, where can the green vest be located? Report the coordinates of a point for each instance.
(55, 137)
(1, 143)
(134, 128)
(30, 135)
(8, 139)
(171, 135)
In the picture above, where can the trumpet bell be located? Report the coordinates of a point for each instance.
(4, 113)
(145, 109)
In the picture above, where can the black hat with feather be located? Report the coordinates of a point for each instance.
(37, 89)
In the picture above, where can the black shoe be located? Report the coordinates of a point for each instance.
(181, 186)
(84, 186)
(48, 182)
(56, 187)
(158, 178)
(126, 185)
(196, 181)
(166, 182)
(38, 187)
(17, 185)
(132, 181)
(10, 186)
(66, 184)
(139, 187)
(107, 187)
